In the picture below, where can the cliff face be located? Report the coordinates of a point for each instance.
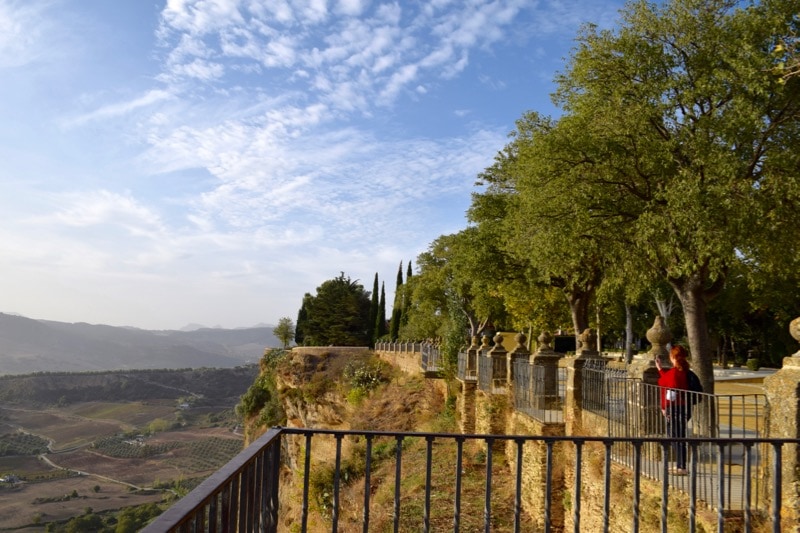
(343, 391)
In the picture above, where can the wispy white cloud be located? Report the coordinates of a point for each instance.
(25, 32)
(119, 108)
(266, 151)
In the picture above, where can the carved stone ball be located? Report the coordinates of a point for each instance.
(794, 329)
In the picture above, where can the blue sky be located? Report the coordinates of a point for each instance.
(210, 161)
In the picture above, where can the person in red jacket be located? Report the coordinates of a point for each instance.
(673, 383)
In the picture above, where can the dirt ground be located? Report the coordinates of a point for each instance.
(70, 430)
(27, 503)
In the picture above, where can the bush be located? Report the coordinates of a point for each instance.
(753, 364)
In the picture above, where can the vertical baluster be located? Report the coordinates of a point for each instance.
(777, 486)
(693, 488)
(337, 473)
(746, 489)
(398, 462)
(607, 487)
(518, 485)
(721, 488)
(487, 504)
(548, 490)
(306, 475)
(576, 505)
(664, 484)
(637, 482)
(426, 513)
(459, 469)
(367, 483)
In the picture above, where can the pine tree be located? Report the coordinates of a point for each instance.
(302, 320)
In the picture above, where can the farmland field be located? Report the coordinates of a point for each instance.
(58, 461)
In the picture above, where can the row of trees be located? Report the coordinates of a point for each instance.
(342, 313)
(673, 168)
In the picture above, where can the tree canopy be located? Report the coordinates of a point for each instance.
(339, 314)
(673, 163)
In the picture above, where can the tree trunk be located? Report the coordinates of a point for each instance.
(579, 309)
(628, 333)
(694, 298)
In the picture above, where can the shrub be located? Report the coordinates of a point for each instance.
(753, 364)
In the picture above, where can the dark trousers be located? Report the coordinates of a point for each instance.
(676, 429)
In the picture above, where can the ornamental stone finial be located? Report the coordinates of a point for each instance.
(794, 331)
(522, 342)
(659, 336)
(544, 341)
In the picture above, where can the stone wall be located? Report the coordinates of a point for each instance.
(407, 361)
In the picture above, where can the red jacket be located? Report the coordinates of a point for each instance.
(673, 378)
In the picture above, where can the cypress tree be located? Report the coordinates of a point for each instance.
(380, 323)
(373, 311)
(397, 308)
(406, 297)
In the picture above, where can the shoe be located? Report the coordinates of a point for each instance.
(678, 471)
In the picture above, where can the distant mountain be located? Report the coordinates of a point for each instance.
(29, 345)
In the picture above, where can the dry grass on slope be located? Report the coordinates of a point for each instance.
(406, 404)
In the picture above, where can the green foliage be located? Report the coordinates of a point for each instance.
(84, 523)
(126, 447)
(22, 444)
(284, 331)
(338, 315)
(132, 519)
(365, 376)
(262, 399)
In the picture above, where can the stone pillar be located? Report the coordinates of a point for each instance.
(500, 373)
(466, 407)
(472, 359)
(783, 397)
(573, 411)
(519, 353)
(647, 402)
(545, 374)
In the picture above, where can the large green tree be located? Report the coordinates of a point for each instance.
(528, 206)
(460, 272)
(337, 315)
(691, 137)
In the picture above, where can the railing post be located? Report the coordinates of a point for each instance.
(545, 373)
(783, 399)
(519, 352)
(472, 358)
(500, 372)
(650, 420)
(573, 413)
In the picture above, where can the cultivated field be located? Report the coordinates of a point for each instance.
(105, 456)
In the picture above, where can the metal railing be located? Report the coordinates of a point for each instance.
(633, 410)
(467, 370)
(485, 368)
(243, 496)
(539, 391)
(430, 360)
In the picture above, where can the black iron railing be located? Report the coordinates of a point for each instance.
(244, 495)
(633, 410)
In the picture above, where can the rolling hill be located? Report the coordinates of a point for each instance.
(29, 345)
